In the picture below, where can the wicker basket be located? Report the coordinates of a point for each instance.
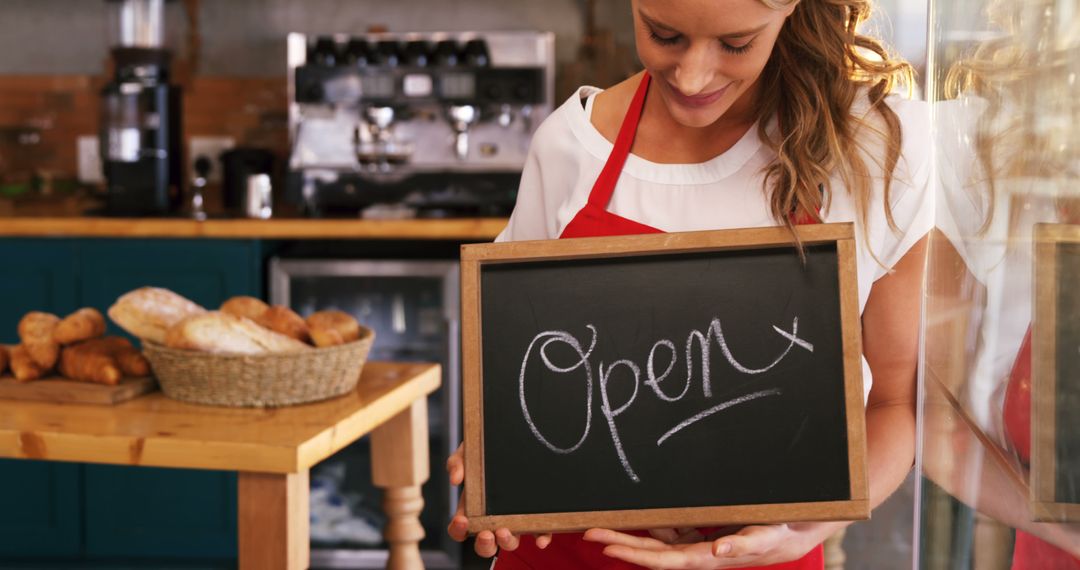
(264, 380)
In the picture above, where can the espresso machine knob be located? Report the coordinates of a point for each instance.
(325, 52)
(447, 53)
(358, 53)
(476, 53)
(418, 53)
(388, 53)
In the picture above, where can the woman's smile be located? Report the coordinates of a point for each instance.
(696, 101)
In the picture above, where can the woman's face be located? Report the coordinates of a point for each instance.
(704, 55)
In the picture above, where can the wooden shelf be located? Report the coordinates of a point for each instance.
(467, 229)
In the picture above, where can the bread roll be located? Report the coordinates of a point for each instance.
(329, 328)
(36, 334)
(81, 325)
(150, 312)
(23, 367)
(224, 333)
(244, 306)
(90, 361)
(282, 319)
(131, 362)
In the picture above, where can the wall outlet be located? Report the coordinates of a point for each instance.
(89, 156)
(212, 148)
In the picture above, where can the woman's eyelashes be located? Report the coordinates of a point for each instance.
(737, 49)
(664, 41)
(674, 39)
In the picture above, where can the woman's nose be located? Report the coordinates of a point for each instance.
(695, 70)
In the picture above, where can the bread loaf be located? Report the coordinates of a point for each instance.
(224, 333)
(36, 335)
(150, 312)
(244, 306)
(282, 319)
(329, 328)
(81, 325)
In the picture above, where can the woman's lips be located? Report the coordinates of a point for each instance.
(697, 100)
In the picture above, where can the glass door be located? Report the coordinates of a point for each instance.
(413, 308)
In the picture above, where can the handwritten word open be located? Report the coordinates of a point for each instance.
(703, 342)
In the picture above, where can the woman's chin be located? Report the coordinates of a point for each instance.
(697, 118)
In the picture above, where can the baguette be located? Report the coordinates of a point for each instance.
(224, 333)
(149, 312)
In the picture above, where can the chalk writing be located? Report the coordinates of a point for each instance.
(701, 340)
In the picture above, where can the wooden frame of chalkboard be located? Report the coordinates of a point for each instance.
(480, 261)
(1046, 380)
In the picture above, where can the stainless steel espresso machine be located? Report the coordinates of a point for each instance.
(414, 124)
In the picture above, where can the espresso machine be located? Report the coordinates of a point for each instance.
(414, 124)
(140, 135)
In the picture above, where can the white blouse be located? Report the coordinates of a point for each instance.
(727, 191)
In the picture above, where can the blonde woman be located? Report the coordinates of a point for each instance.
(749, 113)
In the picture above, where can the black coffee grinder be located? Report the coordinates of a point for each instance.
(141, 143)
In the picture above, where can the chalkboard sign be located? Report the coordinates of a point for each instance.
(1055, 388)
(698, 378)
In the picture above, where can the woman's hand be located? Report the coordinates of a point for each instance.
(751, 546)
(487, 543)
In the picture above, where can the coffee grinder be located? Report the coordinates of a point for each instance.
(140, 115)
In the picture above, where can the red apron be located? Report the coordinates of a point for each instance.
(569, 551)
(1030, 553)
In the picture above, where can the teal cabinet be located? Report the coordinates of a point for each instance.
(35, 274)
(40, 507)
(101, 512)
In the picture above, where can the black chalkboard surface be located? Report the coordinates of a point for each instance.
(698, 378)
(1056, 374)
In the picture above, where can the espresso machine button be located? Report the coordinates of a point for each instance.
(476, 53)
(446, 53)
(325, 52)
(358, 53)
(418, 53)
(389, 53)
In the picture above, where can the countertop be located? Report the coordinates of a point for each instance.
(154, 430)
(465, 229)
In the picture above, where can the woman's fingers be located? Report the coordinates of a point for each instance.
(612, 537)
(506, 539)
(543, 541)
(458, 528)
(485, 544)
(666, 535)
(750, 541)
(455, 466)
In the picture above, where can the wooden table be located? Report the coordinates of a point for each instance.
(272, 449)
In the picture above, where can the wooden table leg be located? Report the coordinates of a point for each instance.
(272, 515)
(399, 465)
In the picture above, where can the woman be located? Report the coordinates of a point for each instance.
(749, 113)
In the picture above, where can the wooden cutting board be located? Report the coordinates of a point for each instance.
(57, 389)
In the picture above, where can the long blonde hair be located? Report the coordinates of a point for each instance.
(819, 66)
